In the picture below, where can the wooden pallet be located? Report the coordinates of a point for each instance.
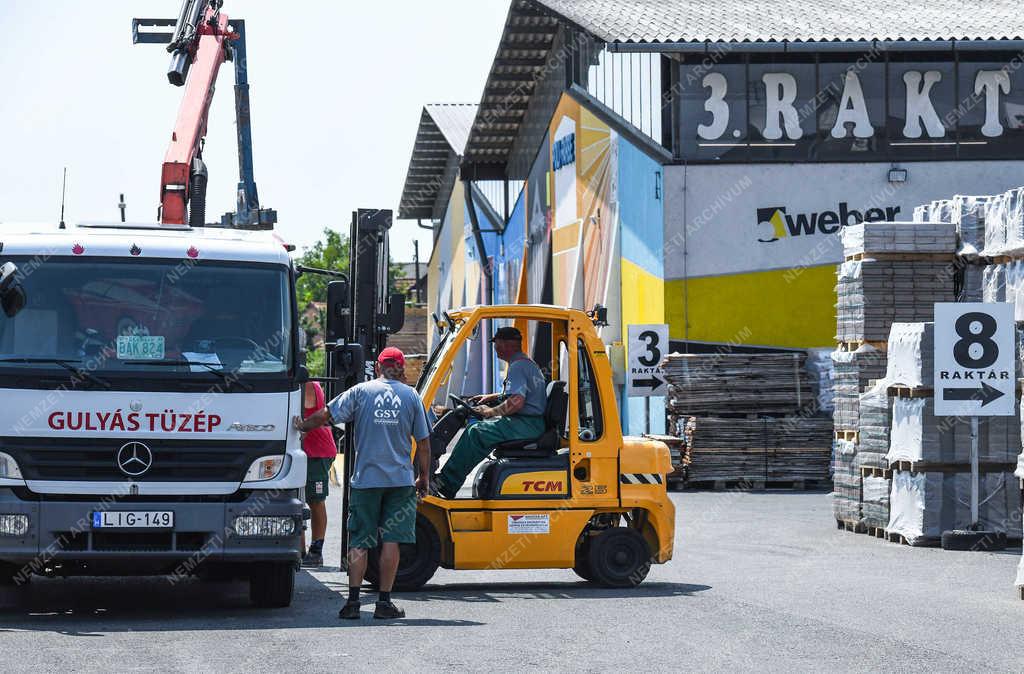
(869, 471)
(902, 257)
(911, 392)
(852, 436)
(758, 484)
(918, 543)
(877, 532)
(927, 467)
(850, 346)
(852, 527)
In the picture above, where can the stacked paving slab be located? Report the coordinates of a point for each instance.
(749, 419)
(893, 272)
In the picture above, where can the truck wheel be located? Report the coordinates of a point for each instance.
(978, 541)
(619, 557)
(271, 584)
(8, 572)
(417, 561)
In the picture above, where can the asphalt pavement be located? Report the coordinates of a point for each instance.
(760, 581)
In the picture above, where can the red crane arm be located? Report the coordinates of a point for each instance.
(190, 127)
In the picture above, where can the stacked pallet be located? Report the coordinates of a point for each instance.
(748, 418)
(893, 273)
(716, 384)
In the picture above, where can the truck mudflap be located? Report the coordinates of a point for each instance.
(63, 532)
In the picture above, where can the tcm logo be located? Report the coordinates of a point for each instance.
(542, 486)
(388, 407)
(776, 223)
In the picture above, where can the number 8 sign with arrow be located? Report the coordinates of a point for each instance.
(974, 360)
(648, 346)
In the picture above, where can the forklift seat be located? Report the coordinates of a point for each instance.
(548, 443)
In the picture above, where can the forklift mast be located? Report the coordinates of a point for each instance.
(201, 40)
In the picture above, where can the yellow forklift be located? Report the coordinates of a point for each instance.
(581, 496)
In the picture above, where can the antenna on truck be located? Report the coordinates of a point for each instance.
(63, 194)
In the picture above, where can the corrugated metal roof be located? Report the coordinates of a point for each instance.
(640, 21)
(440, 141)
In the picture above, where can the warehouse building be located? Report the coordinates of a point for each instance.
(693, 167)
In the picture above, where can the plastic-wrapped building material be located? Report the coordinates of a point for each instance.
(921, 213)
(875, 501)
(918, 436)
(972, 282)
(874, 426)
(940, 211)
(1004, 223)
(846, 481)
(967, 213)
(911, 355)
(899, 237)
(853, 371)
(993, 286)
(923, 505)
(821, 375)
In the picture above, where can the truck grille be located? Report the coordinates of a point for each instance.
(130, 541)
(75, 459)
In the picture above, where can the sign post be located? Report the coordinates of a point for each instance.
(974, 373)
(648, 345)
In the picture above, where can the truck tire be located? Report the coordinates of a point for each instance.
(8, 572)
(619, 557)
(978, 541)
(417, 562)
(271, 584)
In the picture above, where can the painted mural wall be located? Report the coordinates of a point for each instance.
(763, 240)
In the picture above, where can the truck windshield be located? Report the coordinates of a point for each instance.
(155, 316)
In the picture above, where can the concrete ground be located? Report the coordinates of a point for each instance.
(760, 580)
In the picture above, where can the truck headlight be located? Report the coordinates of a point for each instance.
(265, 527)
(9, 467)
(264, 468)
(13, 525)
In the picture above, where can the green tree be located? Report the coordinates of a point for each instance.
(330, 253)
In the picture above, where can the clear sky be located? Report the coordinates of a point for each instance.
(336, 88)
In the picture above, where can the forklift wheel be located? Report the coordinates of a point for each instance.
(619, 557)
(582, 566)
(417, 563)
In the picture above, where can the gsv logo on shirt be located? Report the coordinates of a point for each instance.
(388, 408)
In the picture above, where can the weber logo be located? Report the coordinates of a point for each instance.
(775, 223)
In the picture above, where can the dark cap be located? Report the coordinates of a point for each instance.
(508, 333)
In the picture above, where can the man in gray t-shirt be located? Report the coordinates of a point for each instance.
(519, 416)
(386, 416)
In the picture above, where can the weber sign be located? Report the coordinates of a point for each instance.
(648, 345)
(974, 360)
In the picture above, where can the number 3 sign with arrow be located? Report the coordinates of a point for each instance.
(648, 345)
(975, 371)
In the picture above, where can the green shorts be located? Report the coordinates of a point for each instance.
(391, 510)
(318, 479)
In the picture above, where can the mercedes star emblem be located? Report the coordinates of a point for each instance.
(134, 459)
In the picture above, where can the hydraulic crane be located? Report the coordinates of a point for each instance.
(203, 38)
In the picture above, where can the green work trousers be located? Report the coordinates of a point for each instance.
(476, 443)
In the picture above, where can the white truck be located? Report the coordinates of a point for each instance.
(147, 387)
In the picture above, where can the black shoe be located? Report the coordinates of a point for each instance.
(312, 560)
(350, 611)
(386, 610)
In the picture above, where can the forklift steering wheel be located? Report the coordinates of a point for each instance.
(465, 406)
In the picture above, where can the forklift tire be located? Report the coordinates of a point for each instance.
(417, 562)
(619, 557)
(582, 565)
(271, 584)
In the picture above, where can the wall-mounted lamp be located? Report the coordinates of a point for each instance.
(898, 175)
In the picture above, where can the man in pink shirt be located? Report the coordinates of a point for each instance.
(321, 451)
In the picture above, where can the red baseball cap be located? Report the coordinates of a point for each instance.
(391, 353)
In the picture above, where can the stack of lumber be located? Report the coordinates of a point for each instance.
(717, 384)
(748, 417)
(772, 449)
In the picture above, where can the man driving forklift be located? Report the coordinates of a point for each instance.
(517, 413)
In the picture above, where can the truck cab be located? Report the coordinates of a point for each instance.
(148, 385)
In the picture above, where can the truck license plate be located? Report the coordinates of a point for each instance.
(133, 519)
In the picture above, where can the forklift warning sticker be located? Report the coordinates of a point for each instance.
(529, 524)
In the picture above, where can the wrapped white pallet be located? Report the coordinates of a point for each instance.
(923, 505)
(993, 283)
(911, 355)
(822, 377)
(968, 214)
(995, 224)
(875, 502)
(918, 436)
(873, 426)
(921, 213)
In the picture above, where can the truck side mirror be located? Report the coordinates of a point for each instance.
(12, 294)
(395, 318)
(338, 312)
